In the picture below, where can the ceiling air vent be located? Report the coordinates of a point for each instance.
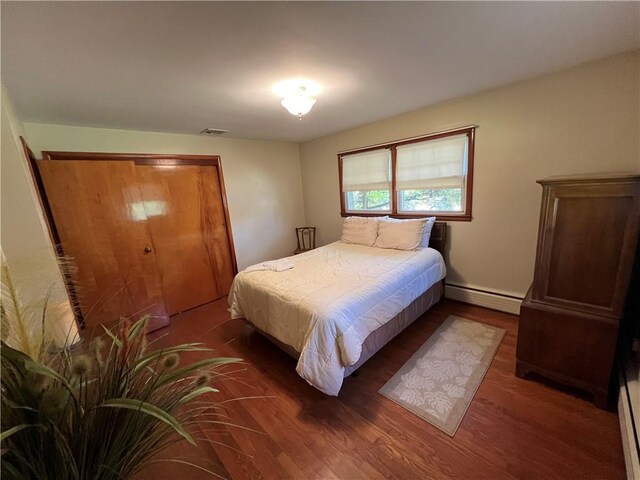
(213, 131)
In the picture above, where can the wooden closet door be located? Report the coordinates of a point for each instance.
(101, 221)
(184, 205)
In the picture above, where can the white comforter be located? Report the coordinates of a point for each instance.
(331, 300)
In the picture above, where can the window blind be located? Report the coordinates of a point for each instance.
(431, 164)
(366, 171)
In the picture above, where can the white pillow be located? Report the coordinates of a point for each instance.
(361, 230)
(401, 234)
(427, 231)
(428, 227)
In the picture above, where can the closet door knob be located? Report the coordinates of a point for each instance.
(147, 250)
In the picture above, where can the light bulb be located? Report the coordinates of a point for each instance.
(298, 95)
(298, 104)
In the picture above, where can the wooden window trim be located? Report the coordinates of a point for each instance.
(465, 216)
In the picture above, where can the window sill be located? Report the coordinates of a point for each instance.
(439, 217)
(366, 214)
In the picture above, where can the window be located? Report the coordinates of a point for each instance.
(366, 181)
(426, 176)
(430, 175)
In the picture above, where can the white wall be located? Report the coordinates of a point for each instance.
(262, 179)
(24, 237)
(586, 119)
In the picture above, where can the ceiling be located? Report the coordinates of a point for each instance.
(185, 66)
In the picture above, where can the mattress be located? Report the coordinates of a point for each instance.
(331, 300)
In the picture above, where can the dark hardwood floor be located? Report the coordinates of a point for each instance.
(514, 428)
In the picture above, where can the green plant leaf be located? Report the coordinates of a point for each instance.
(139, 326)
(16, 357)
(196, 393)
(115, 339)
(7, 433)
(42, 369)
(185, 347)
(23, 407)
(149, 409)
(189, 369)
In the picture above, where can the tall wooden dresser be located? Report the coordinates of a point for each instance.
(587, 241)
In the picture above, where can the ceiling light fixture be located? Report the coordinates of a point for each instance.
(298, 95)
(298, 103)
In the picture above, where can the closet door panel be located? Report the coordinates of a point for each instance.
(101, 222)
(183, 205)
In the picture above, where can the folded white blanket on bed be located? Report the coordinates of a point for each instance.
(273, 265)
(332, 300)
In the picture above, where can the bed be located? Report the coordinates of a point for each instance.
(340, 303)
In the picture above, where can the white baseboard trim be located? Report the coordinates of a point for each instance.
(483, 298)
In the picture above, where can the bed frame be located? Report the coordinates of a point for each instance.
(383, 335)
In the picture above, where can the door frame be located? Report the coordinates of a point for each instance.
(70, 287)
(138, 159)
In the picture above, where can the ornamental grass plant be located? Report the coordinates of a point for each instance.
(104, 410)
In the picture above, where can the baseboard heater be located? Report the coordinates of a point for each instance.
(484, 298)
(629, 413)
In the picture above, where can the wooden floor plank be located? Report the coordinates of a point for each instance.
(514, 428)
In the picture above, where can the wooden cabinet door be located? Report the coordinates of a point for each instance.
(102, 224)
(586, 245)
(184, 207)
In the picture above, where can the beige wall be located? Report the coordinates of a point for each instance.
(581, 120)
(24, 238)
(262, 179)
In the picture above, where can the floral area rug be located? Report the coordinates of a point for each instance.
(439, 381)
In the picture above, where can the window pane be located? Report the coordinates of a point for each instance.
(377, 200)
(374, 200)
(355, 201)
(435, 199)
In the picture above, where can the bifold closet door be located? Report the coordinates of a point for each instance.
(101, 222)
(184, 208)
